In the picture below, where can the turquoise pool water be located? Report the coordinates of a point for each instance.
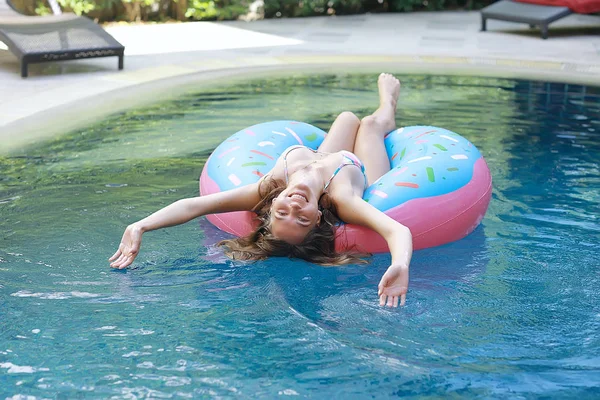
(511, 311)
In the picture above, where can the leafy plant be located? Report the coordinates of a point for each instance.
(216, 10)
(160, 10)
(78, 6)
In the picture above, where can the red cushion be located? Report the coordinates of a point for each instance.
(578, 6)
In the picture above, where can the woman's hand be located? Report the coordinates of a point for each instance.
(393, 285)
(129, 247)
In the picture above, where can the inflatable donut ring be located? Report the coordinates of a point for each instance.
(439, 185)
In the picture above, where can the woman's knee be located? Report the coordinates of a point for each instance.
(349, 117)
(370, 123)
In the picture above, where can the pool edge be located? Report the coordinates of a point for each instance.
(58, 119)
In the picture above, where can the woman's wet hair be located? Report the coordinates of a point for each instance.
(318, 246)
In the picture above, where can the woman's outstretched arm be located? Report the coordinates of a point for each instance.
(239, 199)
(394, 283)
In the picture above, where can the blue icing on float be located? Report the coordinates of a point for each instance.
(252, 152)
(425, 161)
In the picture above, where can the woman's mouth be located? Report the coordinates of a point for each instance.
(299, 196)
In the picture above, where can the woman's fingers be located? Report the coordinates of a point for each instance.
(128, 250)
(115, 256)
(118, 261)
(391, 301)
(125, 263)
(125, 258)
(122, 263)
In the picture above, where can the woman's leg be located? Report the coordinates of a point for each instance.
(369, 146)
(342, 134)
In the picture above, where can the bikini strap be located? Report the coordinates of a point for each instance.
(285, 167)
(347, 161)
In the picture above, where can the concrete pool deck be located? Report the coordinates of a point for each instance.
(163, 59)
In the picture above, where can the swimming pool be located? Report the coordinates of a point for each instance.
(511, 311)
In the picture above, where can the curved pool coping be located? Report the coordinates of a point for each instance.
(170, 83)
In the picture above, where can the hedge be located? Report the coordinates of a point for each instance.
(210, 10)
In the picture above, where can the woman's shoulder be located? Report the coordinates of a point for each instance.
(345, 189)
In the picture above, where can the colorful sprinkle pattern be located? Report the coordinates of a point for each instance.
(426, 161)
(252, 152)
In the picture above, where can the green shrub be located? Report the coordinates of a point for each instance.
(216, 10)
(76, 6)
(160, 10)
(409, 5)
(305, 8)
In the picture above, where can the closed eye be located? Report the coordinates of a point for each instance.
(304, 222)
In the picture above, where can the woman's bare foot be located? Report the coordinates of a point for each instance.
(389, 90)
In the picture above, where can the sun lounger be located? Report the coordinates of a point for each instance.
(54, 38)
(532, 14)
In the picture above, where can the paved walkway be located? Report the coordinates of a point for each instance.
(161, 60)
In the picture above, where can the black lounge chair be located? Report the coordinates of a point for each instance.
(532, 14)
(54, 38)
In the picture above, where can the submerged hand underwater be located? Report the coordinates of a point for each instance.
(288, 189)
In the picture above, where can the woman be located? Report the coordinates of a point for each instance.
(300, 200)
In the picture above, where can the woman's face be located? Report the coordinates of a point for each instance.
(294, 213)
